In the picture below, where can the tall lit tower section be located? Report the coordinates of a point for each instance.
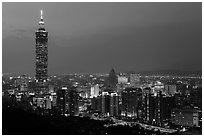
(41, 58)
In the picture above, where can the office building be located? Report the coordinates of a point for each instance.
(170, 89)
(157, 107)
(72, 101)
(61, 100)
(105, 103)
(24, 83)
(168, 103)
(114, 104)
(48, 104)
(40, 102)
(41, 58)
(122, 80)
(94, 91)
(132, 102)
(146, 102)
(112, 79)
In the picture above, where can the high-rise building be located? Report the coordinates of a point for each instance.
(53, 99)
(167, 104)
(170, 89)
(61, 100)
(112, 79)
(41, 58)
(157, 107)
(152, 103)
(73, 101)
(158, 110)
(179, 100)
(146, 102)
(105, 103)
(131, 102)
(114, 104)
(24, 83)
(95, 91)
(48, 103)
(94, 102)
(21, 83)
(40, 102)
(122, 80)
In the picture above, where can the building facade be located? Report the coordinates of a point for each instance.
(114, 104)
(41, 58)
(61, 101)
(132, 102)
(95, 91)
(105, 103)
(112, 79)
(72, 101)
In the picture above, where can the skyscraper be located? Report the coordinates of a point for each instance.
(112, 79)
(41, 58)
(105, 103)
(131, 102)
(61, 101)
(114, 104)
(72, 101)
(95, 90)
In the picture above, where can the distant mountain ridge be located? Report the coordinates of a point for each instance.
(169, 72)
(154, 72)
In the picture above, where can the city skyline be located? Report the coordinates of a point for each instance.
(151, 50)
(94, 37)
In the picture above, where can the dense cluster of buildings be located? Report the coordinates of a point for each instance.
(153, 104)
(137, 97)
(145, 99)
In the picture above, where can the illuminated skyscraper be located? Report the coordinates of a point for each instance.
(41, 58)
(95, 91)
(73, 101)
(61, 101)
(131, 102)
(105, 103)
(114, 104)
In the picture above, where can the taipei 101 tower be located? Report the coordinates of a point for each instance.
(41, 58)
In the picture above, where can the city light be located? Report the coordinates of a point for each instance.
(118, 102)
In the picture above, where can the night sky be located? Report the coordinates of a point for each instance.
(94, 37)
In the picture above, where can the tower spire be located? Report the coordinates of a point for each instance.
(41, 12)
(41, 22)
